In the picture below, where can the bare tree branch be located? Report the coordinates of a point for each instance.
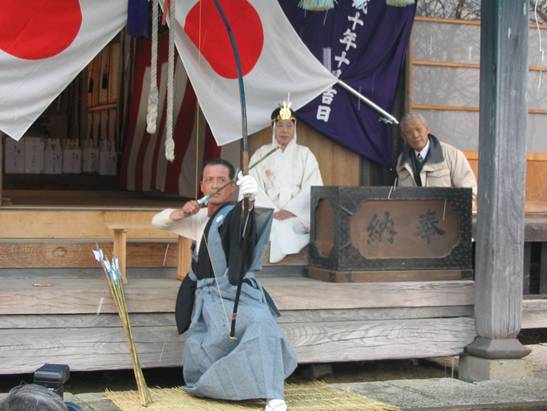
(470, 9)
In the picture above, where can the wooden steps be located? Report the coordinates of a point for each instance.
(69, 317)
(44, 295)
(86, 342)
(91, 342)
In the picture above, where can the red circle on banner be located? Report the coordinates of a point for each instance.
(214, 43)
(38, 29)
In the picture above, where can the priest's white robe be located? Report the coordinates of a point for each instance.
(285, 179)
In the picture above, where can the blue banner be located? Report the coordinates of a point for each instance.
(138, 18)
(364, 46)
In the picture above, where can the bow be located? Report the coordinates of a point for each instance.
(247, 206)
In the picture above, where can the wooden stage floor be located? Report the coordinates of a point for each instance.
(67, 316)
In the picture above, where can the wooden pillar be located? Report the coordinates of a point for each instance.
(502, 179)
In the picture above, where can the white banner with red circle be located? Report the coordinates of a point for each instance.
(43, 46)
(274, 60)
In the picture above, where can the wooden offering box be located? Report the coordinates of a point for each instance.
(384, 234)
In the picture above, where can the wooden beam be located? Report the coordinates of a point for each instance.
(341, 276)
(100, 343)
(448, 21)
(468, 109)
(105, 320)
(452, 64)
(446, 64)
(83, 296)
(537, 68)
(60, 322)
(467, 22)
(502, 166)
(60, 295)
(70, 253)
(379, 340)
(536, 228)
(88, 348)
(302, 294)
(88, 224)
(361, 314)
(530, 156)
(102, 107)
(436, 107)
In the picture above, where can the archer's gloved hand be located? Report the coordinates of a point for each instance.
(247, 185)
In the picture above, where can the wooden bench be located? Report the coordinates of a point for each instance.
(120, 230)
(42, 237)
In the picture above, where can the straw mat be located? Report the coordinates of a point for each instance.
(310, 396)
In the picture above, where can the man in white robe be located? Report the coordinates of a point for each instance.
(285, 179)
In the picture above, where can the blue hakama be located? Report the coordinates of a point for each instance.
(256, 363)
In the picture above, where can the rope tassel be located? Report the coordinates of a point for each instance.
(399, 3)
(169, 142)
(152, 109)
(316, 5)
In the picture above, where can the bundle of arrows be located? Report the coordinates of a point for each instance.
(112, 273)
